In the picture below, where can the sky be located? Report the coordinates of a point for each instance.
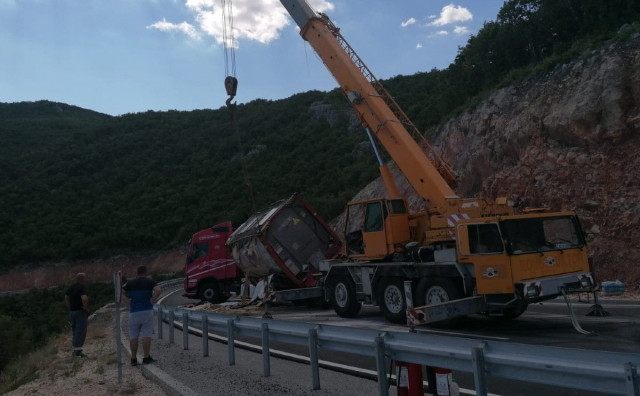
(129, 56)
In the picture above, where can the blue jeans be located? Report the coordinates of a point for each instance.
(79, 324)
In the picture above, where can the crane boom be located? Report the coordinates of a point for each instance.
(427, 173)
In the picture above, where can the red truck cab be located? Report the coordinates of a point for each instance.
(210, 272)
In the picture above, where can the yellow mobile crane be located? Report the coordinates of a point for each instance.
(461, 255)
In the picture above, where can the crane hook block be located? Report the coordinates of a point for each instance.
(231, 85)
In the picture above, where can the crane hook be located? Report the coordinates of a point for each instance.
(231, 85)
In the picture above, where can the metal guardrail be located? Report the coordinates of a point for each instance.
(607, 372)
(171, 284)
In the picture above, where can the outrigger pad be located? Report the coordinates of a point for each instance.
(597, 310)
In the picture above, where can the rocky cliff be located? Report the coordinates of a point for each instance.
(566, 139)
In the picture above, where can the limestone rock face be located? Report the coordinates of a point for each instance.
(568, 139)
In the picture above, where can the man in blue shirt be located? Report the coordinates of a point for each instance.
(142, 293)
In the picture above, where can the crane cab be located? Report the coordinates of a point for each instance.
(376, 229)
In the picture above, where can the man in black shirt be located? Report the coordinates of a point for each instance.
(78, 302)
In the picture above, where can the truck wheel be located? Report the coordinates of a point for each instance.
(393, 303)
(437, 290)
(343, 298)
(209, 291)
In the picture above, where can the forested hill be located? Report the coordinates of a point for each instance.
(79, 184)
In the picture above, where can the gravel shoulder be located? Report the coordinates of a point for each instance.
(176, 372)
(60, 374)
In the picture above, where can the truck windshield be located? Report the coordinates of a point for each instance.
(540, 234)
(485, 238)
(374, 217)
(198, 250)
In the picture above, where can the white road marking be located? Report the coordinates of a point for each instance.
(451, 333)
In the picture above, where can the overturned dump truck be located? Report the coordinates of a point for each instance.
(289, 243)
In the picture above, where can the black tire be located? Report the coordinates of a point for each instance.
(392, 301)
(210, 291)
(343, 298)
(437, 290)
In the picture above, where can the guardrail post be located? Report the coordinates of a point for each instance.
(205, 335)
(172, 319)
(231, 352)
(381, 366)
(313, 359)
(477, 362)
(159, 322)
(633, 384)
(185, 331)
(265, 350)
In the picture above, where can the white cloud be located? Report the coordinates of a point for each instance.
(261, 20)
(438, 33)
(461, 30)
(418, 46)
(451, 14)
(183, 27)
(408, 22)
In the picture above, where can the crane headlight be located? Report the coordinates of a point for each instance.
(532, 290)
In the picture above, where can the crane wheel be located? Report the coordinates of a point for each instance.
(343, 298)
(437, 290)
(392, 301)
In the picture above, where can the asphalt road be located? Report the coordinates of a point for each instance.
(543, 324)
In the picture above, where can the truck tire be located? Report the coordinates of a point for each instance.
(392, 300)
(437, 290)
(343, 298)
(210, 291)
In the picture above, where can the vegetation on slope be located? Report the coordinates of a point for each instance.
(30, 319)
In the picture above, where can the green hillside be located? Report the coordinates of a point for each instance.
(78, 184)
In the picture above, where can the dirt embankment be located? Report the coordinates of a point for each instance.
(58, 373)
(97, 270)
